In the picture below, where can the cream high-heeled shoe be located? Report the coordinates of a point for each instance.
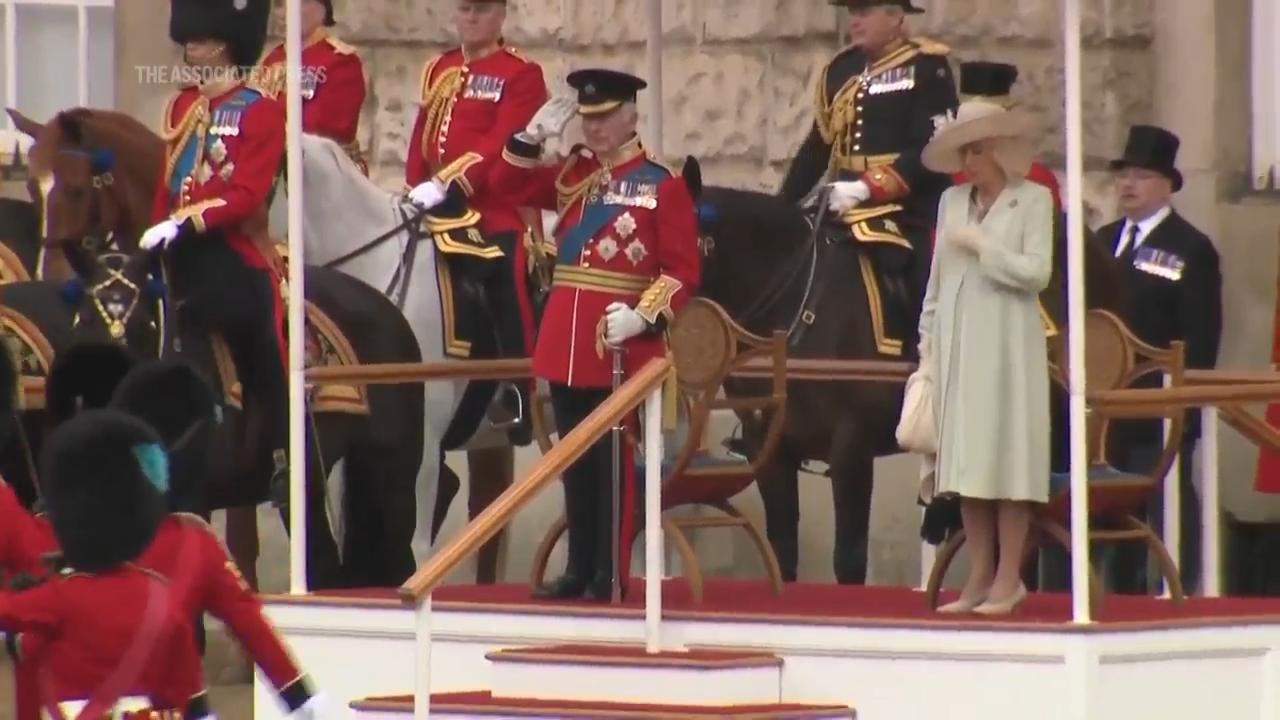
(963, 604)
(1005, 606)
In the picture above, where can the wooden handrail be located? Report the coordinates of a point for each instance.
(1230, 377)
(394, 373)
(1186, 396)
(561, 455)
(830, 369)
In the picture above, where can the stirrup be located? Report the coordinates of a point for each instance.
(497, 413)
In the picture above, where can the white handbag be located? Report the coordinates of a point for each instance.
(917, 429)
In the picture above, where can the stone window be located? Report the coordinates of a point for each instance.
(55, 55)
(1265, 60)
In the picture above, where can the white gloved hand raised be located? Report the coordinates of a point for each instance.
(551, 119)
(161, 233)
(847, 195)
(428, 194)
(622, 323)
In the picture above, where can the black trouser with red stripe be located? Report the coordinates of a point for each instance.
(218, 291)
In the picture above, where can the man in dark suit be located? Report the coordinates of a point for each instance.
(1174, 286)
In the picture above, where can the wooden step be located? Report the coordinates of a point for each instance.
(456, 706)
(628, 674)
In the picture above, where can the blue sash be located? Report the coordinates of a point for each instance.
(604, 207)
(225, 121)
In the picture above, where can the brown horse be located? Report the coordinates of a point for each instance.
(764, 263)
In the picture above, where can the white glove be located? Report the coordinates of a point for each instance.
(551, 119)
(315, 708)
(427, 195)
(967, 238)
(845, 195)
(162, 233)
(622, 323)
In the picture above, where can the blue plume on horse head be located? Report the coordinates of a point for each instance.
(72, 292)
(155, 287)
(102, 160)
(708, 214)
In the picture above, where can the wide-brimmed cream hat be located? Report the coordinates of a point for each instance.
(979, 119)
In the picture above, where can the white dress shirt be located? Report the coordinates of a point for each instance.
(1145, 226)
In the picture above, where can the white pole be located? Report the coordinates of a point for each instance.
(11, 65)
(653, 52)
(653, 521)
(422, 658)
(1172, 503)
(1076, 317)
(82, 54)
(297, 376)
(1210, 518)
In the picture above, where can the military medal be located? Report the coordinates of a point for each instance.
(607, 248)
(218, 151)
(625, 225)
(893, 80)
(632, 194)
(226, 171)
(226, 120)
(484, 87)
(636, 251)
(204, 173)
(1161, 263)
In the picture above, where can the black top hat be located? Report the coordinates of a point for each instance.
(241, 24)
(601, 91)
(1153, 148)
(103, 474)
(328, 13)
(987, 80)
(906, 5)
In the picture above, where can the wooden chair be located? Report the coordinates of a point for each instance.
(1115, 359)
(707, 347)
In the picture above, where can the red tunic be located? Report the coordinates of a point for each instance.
(88, 626)
(645, 254)
(333, 88)
(23, 538)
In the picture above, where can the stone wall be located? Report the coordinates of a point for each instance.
(739, 74)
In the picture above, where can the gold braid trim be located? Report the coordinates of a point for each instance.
(437, 101)
(843, 117)
(195, 211)
(567, 194)
(457, 170)
(657, 299)
(176, 136)
(822, 107)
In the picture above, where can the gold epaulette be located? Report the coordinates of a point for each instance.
(516, 53)
(426, 75)
(670, 170)
(822, 106)
(930, 47)
(341, 46)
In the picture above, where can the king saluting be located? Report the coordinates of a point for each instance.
(225, 144)
(626, 261)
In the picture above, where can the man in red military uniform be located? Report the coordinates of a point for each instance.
(225, 145)
(108, 637)
(474, 97)
(627, 260)
(333, 85)
(172, 397)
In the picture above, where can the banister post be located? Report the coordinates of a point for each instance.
(653, 549)
(422, 659)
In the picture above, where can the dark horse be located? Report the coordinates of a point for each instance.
(765, 264)
(380, 443)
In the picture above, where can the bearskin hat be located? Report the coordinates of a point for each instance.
(104, 474)
(175, 400)
(83, 377)
(241, 24)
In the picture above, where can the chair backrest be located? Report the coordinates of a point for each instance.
(707, 347)
(1116, 359)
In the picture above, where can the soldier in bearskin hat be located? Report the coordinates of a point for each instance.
(111, 637)
(333, 86)
(877, 104)
(225, 147)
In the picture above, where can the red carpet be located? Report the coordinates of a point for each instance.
(484, 703)
(752, 600)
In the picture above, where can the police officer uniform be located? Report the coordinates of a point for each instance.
(627, 242)
(333, 86)
(872, 119)
(224, 148)
(1174, 293)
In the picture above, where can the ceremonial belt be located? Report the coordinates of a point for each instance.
(862, 163)
(126, 708)
(580, 278)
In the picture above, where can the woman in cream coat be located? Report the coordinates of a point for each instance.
(982, 344)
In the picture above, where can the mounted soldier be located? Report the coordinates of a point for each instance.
(225, 144)
(474, 97)
(333, 83)
(627, 261)
(877, 104)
